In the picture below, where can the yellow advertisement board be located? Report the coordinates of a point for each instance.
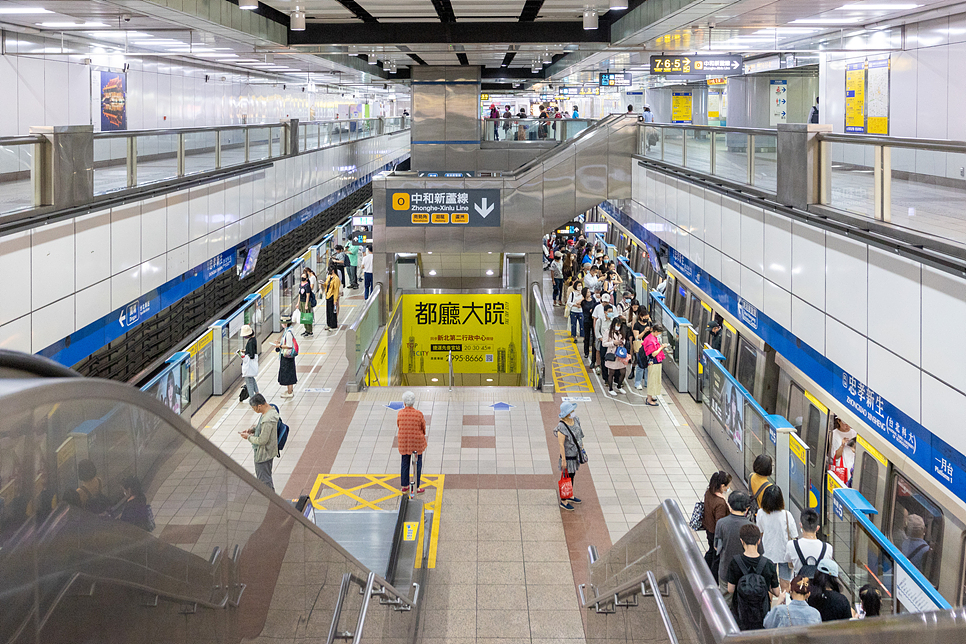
(681, 107)
(481, 329)
(855, 97)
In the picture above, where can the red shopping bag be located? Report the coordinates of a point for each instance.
(838, 468)
(566, 486)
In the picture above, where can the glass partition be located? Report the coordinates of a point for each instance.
(766, 162)
(16, 175)
(189, 543)
(699, 149)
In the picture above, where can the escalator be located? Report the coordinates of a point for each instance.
(654, 586)
(221, 559)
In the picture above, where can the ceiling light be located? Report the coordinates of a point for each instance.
(371, 58)
(298, 21)
(825, 21)
(618, 5)
(489, 379)
(489, 271)
(435, 379)
(72, 25)
(878, 7)
(590, 18)
(386, 65)
(248, 4)
(24, 10)
(432, 272)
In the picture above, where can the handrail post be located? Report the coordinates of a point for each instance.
(247, 145)
(218, 149)
(714, 148)
(886, 184)
(684, 148)
(451, 370)
(132, 161)
(367, 595)
(751, 159)
(181, 152)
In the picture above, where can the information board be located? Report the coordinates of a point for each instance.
(615, 80)
(481, 329)
(877, 89)
(696, 66)
(855, 97)
(778, 101)
(681, 107)
(580, 91)
(443, 207)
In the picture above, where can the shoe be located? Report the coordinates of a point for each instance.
(638, 387)
(566, 506)
(621, 390)
(574, 499)
(304, 334)
(612, 392)
(404, 490)
(420, 490)
(308, 335)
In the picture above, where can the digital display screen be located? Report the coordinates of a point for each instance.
(362, 221)
(615, 80)
(250, 260)
(696, 66)
(595, 227)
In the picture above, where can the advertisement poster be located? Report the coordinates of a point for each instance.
(113, 101)
(778, 101)
(681, 107)
(878, 91)
(855, 97)
(727, 405)
(482, 330)
(714, 104)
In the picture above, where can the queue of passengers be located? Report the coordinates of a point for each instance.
(773, 571)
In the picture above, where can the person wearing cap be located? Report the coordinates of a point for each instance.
(570, 439)
(249, 368)
(797, 612)
(914, 546)
(287, 376)
(715, 337)
(825, 593)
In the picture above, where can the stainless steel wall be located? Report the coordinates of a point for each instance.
(446, 124)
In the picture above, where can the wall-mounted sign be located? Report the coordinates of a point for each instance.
(877, 91)
(855, 97)
(696, 66)
(484, 97)
(580, 91)
(362, 221)
(680, 107)
(717, 81)
(568, 230)
(113, 101)
(466, 174)
(778, 101)
(595, 227)
(443, 207)
(615, 80)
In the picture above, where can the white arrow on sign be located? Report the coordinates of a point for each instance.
(734, 64)
(122, 318)
(483, 209)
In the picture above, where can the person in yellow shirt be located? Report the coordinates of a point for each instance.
(333, 286)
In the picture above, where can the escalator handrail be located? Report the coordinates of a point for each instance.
(33, 393)
(36, 365)
(605, 122)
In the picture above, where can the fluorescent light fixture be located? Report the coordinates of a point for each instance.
(435, 379)
(72, 25)
(826, 21)
(244, 60)
(190, 50)
(489, 271)
(248, 4)
(216, 55)
(877, 7)
(432, 272)
(23, 10)
(618, 5)
(489, 379)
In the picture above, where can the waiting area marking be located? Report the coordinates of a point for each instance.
(379, 492)
(569, 373)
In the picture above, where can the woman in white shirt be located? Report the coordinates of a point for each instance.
(574, 298)
(777, 527)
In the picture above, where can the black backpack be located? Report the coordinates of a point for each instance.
(281, 431)
(809, 564)
(750, 602)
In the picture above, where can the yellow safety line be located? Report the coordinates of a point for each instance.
(315, 491)
(420, 537)
(437, 511)
(569, 373)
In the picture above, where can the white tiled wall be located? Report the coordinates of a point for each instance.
(59, 90)
(889, 321)
(61, 277)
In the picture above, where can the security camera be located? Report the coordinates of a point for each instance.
(126, 17)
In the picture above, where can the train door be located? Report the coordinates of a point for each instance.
(680, 301)
(916, 527)
(869, 478)
(810, 419)
(729, 343)
(756, 439)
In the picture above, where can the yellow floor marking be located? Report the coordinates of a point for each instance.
(387, 482)
(569, 373)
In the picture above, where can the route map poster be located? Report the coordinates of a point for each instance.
(113, 101)
(482, 330)
(855, 97)
(877, 90)
(681, 107)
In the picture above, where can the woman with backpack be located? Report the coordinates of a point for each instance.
(307, 304)
(826, 593)
(287, 349)
(777, 527)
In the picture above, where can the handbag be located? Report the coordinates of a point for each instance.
(838, 469)
(243, 394)
(581, 452)
(697, 516)
(308, 317)
(566, 486)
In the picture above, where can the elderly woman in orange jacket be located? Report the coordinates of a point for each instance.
(411, 438)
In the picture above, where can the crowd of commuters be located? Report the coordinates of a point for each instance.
(773, 571)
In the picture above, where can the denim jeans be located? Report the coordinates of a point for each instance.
(576, 324)
(251, 385)
(640, 375)
(353, 276)
(367, 279)
(557, 288)
(405, 470)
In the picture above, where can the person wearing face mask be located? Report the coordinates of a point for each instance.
(624, 306)
(615, 353)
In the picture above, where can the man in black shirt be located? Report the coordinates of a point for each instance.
(748, 563)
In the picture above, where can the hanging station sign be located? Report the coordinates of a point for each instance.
(446, 207)
(615, 80)
(696, 66)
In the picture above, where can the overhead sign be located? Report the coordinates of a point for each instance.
(443, 207)
(362, 221)
(778, 101)
(595, 227)
(615, 80)
(580, 91)
(466, 174)
(484, 97)
(717, 81)
(696, 66)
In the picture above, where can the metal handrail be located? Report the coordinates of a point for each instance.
(122, 134)
(367, 588)
(938, 145)
(713, 128)
(25, 139)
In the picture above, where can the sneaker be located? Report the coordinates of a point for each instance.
(574, 499)
(404, 490)
(420, 490)
(308, 335)
(621, 390)
(612, 392)
(566, 506)
(638, 387)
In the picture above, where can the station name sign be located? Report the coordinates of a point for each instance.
(696, 66)
(443, 207)
(580, 91)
